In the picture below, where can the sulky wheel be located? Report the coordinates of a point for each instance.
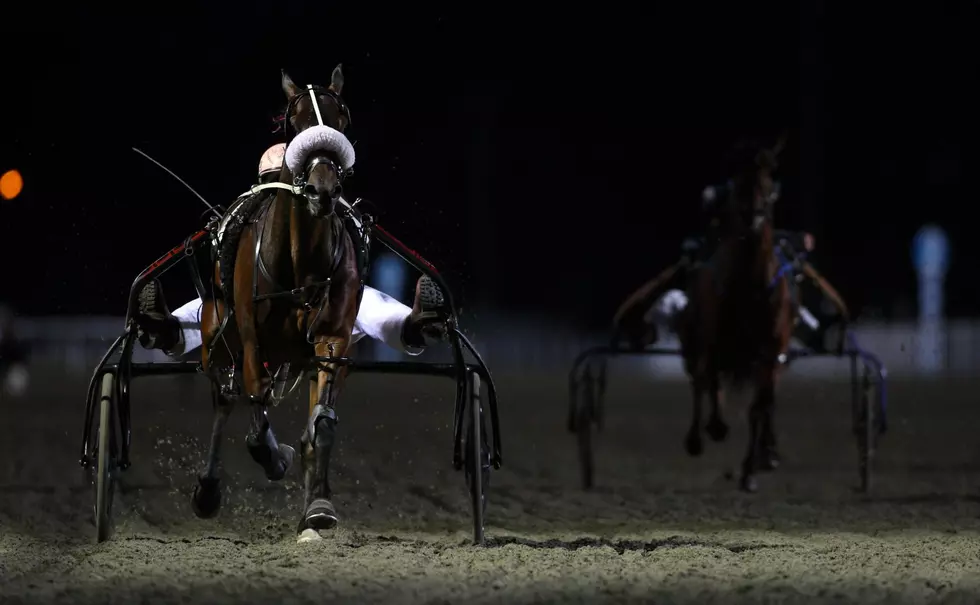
(585, 428)
(105, 458)
(476, 459)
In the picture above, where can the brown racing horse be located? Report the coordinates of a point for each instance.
(738, 322)
(293, 294)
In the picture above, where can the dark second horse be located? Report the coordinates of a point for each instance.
(740, 317)
(294, 295)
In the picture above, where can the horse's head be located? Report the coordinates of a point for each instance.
(753, 189)
(318, 155)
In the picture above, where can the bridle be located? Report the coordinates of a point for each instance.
(300, 181)
(762, 201)
(304, 296)
(762, 210)
(762, 215)
(728, 193)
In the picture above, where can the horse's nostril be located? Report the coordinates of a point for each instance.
(311, 192)
(338, 191)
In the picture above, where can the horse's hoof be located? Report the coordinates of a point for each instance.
(693, 444)
(768, 459)
(748, 484)
(769, 463)
(281, 466)
(308, 535)
(717, 430)
(288, 454)
(206, 500)
(321, 515)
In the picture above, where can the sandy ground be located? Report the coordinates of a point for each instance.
(659, 527)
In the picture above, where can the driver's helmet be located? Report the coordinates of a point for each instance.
(272, 159)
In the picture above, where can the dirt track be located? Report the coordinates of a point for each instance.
(660, 527)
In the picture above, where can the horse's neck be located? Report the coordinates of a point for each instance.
(760, 255)
(766, 252)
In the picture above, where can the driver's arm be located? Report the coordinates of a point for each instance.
(827, 289)
(641, 300)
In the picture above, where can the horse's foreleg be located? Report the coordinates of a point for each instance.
(306, 442)
(275, 458)
(762, 407)
(717, 428)
(321, 434)
(207, 494)
(693, 442)
(768, 453)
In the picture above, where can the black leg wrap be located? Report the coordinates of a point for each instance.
(325, 434)
(768, 455)
(751, 462)
(207, 497)
(274, 458)
(320, 512)
(320, 411)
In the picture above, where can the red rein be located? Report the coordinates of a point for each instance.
(278, 121)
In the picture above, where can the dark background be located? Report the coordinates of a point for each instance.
(547, 159)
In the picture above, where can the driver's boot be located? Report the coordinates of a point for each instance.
(427, 322)
(158, 329)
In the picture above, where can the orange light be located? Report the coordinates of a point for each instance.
(10, 184)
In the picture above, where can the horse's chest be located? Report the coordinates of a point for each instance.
(287, 327)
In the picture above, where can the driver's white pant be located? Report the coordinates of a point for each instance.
(665, 310)
(380, 317)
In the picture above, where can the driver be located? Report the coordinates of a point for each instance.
(655, 304)
(380, 316)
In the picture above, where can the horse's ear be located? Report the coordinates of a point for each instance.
(337, 79)
(288, 86)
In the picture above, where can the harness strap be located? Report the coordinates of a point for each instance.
(314, 290)
(784, 269)
(316, 106)
(296, 190)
